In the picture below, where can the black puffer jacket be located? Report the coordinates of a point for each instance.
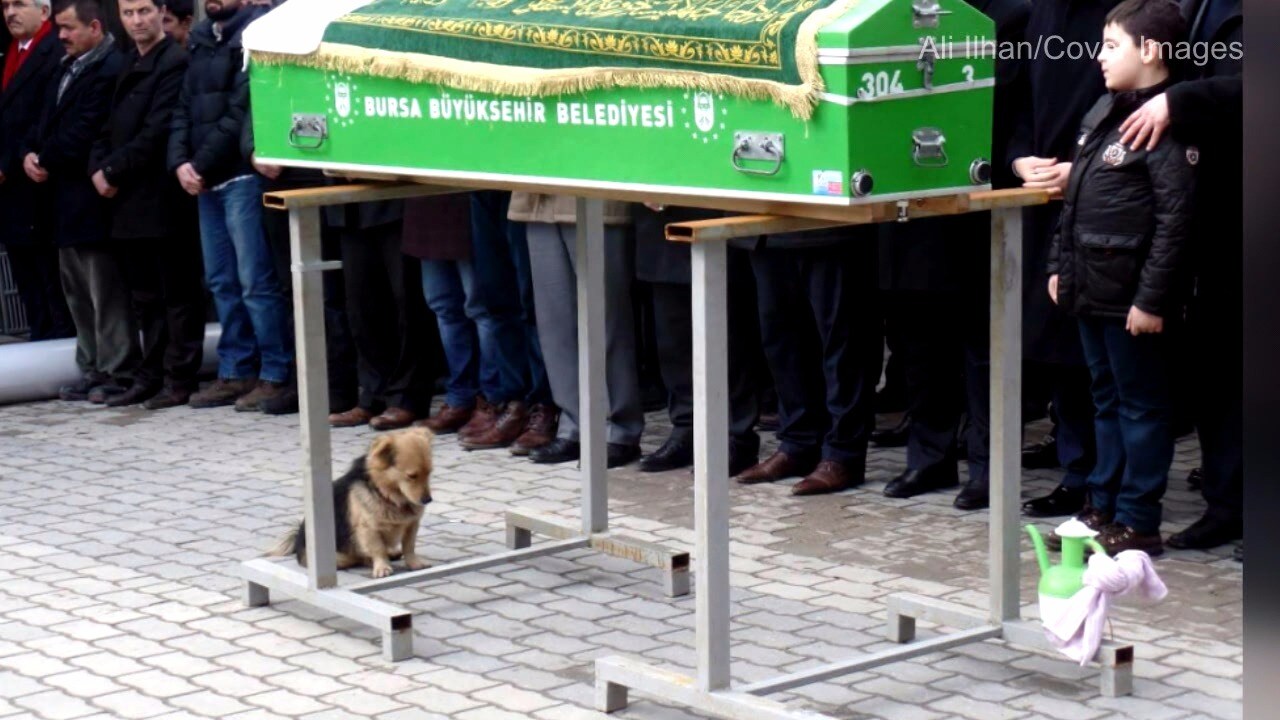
(214, 101)
(1126, 218)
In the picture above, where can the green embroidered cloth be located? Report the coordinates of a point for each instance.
(743, 38)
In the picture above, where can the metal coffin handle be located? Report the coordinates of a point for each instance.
(929, 148)
(308, 132)
(926, 13)
(757, 146)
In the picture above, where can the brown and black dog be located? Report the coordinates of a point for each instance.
(377, 505)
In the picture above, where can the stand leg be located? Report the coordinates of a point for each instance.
(397, 645)
(518, 537)
(711, 464)
(256, 595)
(592, 391)
(313, 397)
(1006, 413)
(610, 697)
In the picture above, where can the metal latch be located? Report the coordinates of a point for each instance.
(308, 131)
(757, 146)
(925, 13)
(928, 147)
(927, 62)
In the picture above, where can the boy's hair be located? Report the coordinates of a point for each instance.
(1157, 20)
(86, 10)
(181, 9)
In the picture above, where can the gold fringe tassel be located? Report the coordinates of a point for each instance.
(473, 76)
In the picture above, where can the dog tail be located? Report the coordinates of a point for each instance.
(288, 544)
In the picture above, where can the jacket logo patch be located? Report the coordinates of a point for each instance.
(1083, 137)
(1193, 155)
(1114, 154)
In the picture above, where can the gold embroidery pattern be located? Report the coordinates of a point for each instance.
(760, 53)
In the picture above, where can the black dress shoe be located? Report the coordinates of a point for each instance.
(742, 455)
(916, 482)
(285, 403)
(1041, 456)
(975, 495)
(132, 396)
(1195, 479)
(99, 395)
(1208, 532)
(1062, 501)
(620, 454)
(676, 452)
(560, 450)
(895, 436)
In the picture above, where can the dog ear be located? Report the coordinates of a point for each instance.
(383, 450)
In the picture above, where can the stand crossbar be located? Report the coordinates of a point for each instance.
(318, 584)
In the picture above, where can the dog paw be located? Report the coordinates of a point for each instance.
(414, 563)
(381, 571)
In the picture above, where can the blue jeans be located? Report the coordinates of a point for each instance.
(442, 289)
(1133, 421)
(499, 300)
(241, 275)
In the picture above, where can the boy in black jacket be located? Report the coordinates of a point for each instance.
(1116, 263)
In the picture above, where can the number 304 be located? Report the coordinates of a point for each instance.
(881, 83)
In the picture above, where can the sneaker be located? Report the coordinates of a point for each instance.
(265, 390)
(540, 430)
(222, 392)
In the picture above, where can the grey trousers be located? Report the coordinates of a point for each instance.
(98, 298)
(552, 249)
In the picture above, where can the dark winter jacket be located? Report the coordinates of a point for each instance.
(1126, 218)
(211, 110)
(63, 139)
(20, 107)
(131, 149)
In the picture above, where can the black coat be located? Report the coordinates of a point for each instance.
(1059, 92)
(63, 139)
(131, 149)
(1206, 110)
(20, 107)
(950, 254)
(211, 110)
(1126, 219)
(657, 260)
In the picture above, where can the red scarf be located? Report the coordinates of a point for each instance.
(14, 58)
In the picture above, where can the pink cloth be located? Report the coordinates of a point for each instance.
(1074, 626)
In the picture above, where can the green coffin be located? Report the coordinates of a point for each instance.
(902, 108)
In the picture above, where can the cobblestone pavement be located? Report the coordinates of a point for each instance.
(121, 530)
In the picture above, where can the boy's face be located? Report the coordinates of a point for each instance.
(1122, 59)
(176, 28)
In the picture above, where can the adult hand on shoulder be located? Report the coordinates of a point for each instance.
(1141, 322)
(31, 165)
(190, 179)
(1053, 288)
(104, 188)
(1146, 124)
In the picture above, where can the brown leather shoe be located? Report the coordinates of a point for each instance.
(482, 419)
(222, 392)
(540, 430)
(264, 390)
(1091, 516)
(504, 431)
(393, 418)
(777, 466)
(354, 417)
(830, 476)
(1116, 538)
(447, 420)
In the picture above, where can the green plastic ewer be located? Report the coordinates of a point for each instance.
(1065, 579)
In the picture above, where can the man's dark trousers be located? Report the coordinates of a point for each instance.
(35, 271)
(166, 283)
